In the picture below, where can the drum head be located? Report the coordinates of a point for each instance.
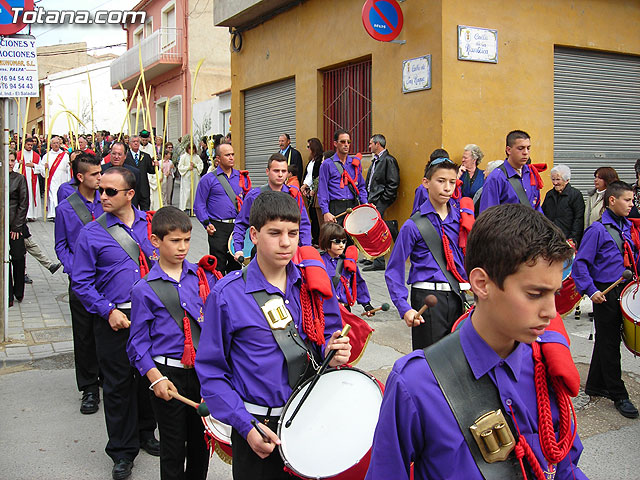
(568, 266)
(246, 248)
(630, 303)
(218, 430)
(361, 220)
(333, 430)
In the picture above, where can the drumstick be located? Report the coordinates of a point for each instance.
(348, 210)
(240, 260)
(626, 275)
(202, 408)
(265, 437)
(430, 301)
(320, 371)
(384, 307)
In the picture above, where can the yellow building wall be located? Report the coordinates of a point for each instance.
(482, 102)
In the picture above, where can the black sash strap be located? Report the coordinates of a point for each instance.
(340, 168)
(469, 399)
(224, 181)
(516, 184)
(616, 235)
(336, 277)
(170, 298)
(434, 242)
(295, 351)
(265, 188)
(80, 208)
(122, 238)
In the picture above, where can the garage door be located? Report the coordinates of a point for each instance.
(596, 113)
(269, 111)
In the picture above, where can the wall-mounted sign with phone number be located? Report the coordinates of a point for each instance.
(18, 66)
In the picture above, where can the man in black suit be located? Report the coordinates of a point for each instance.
(118, 155)
(102, 144)
(291, 154)
(383, 179)
(143, 162)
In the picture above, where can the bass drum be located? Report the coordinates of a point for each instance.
(218, 437)
(630, 306)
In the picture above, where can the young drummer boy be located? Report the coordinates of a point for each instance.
(514, 260)
(165, 351)
(349, 285)
(426, 276)
(599, 262)
(242, 369)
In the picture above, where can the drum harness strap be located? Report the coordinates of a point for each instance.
(80, 208)
(338, 278)
(128, 244)
(516, 184)
(623, 246)
(473, 402)
(346, 178)
(245, 183)
(441, 251)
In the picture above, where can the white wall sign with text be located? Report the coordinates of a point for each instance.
(18, 66)
(416, 74)
(477, 44)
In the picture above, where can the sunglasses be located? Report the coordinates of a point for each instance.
(112, 192)
(345, 141)
(339, 241)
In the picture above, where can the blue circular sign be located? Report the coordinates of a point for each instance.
(382, 19)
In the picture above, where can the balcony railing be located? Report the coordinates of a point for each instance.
(161, 51)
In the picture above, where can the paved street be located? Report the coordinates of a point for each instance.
(43, 434)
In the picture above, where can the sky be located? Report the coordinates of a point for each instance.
(94, 35)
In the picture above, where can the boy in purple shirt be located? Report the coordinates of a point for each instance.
(514, 262)
(242, 369)
(421, 192)
(426, 277)
(164, 350)
(599, 262)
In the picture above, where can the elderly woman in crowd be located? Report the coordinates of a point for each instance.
(563, 204)
(491, 166)
(602, 177)
(472, 177)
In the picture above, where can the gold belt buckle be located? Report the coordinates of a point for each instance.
(493, 436)
(277, 314)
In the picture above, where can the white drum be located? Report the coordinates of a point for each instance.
(220, 433)
(333, 431)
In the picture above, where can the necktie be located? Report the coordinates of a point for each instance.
(135, 156)
(373, 169)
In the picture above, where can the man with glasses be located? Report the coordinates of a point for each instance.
(116, 251)
(118, 157)
(340, 183)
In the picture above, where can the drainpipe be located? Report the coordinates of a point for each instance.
(186, 98)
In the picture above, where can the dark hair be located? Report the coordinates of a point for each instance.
(29, 140)
(270, 205)
(514, 135)
(276, 157)
(124, 147)
(328, 154)
(217, 139)
(128, 177)
(169, 218)
(340, 131)
(608, 174)
(509, 235)
(636, 167)
(379, 138)
(328, 232)
(81, 164)
(315, 146)
(616, 189)
(430, 168)
(286, 135)
(438, 153)
(204, 140)
(293, 170)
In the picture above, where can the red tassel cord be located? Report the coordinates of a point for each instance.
(448, 254)
(144, 266)
(351, 297)
(346, 179)
(312, 313)
(245, 181)
(189, 353)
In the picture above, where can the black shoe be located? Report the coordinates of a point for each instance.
(122, 469)
(27, 280)
(626, 408)
(596, 392)
(90, 401)
(54, 268)
(372, 268)
(364, 261)
(151, 446)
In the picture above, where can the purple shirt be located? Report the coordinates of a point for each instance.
(238, 359)
(153, 330)
(329, 183)
(211, 201)
(66, 189)
(497, 190)
(416, 423)
(424, 267)
(420, 196)
(362, 291)
(242, 221)
(599, 258)
(68, 226)
(104, 274)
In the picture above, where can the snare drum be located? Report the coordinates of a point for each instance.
(630, 306)
(332, 433)
(368, 230)
(220, 435)
(246, 248)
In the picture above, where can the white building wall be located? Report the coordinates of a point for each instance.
(212, 116)
(71, 89)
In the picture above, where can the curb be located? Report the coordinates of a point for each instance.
(19, 354)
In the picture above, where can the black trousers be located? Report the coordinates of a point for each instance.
(381, 207)
(219, 247)
(127, 406)
(17, 254)
(84, 345)
(181, 429)
(249, 466)
(438, 320)
(605, 372)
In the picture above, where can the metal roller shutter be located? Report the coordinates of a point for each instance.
(596, 113)
(269, 111)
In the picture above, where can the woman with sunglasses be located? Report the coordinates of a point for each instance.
(350, 287)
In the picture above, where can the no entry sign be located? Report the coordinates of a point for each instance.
(10, 21)
(382, 19)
